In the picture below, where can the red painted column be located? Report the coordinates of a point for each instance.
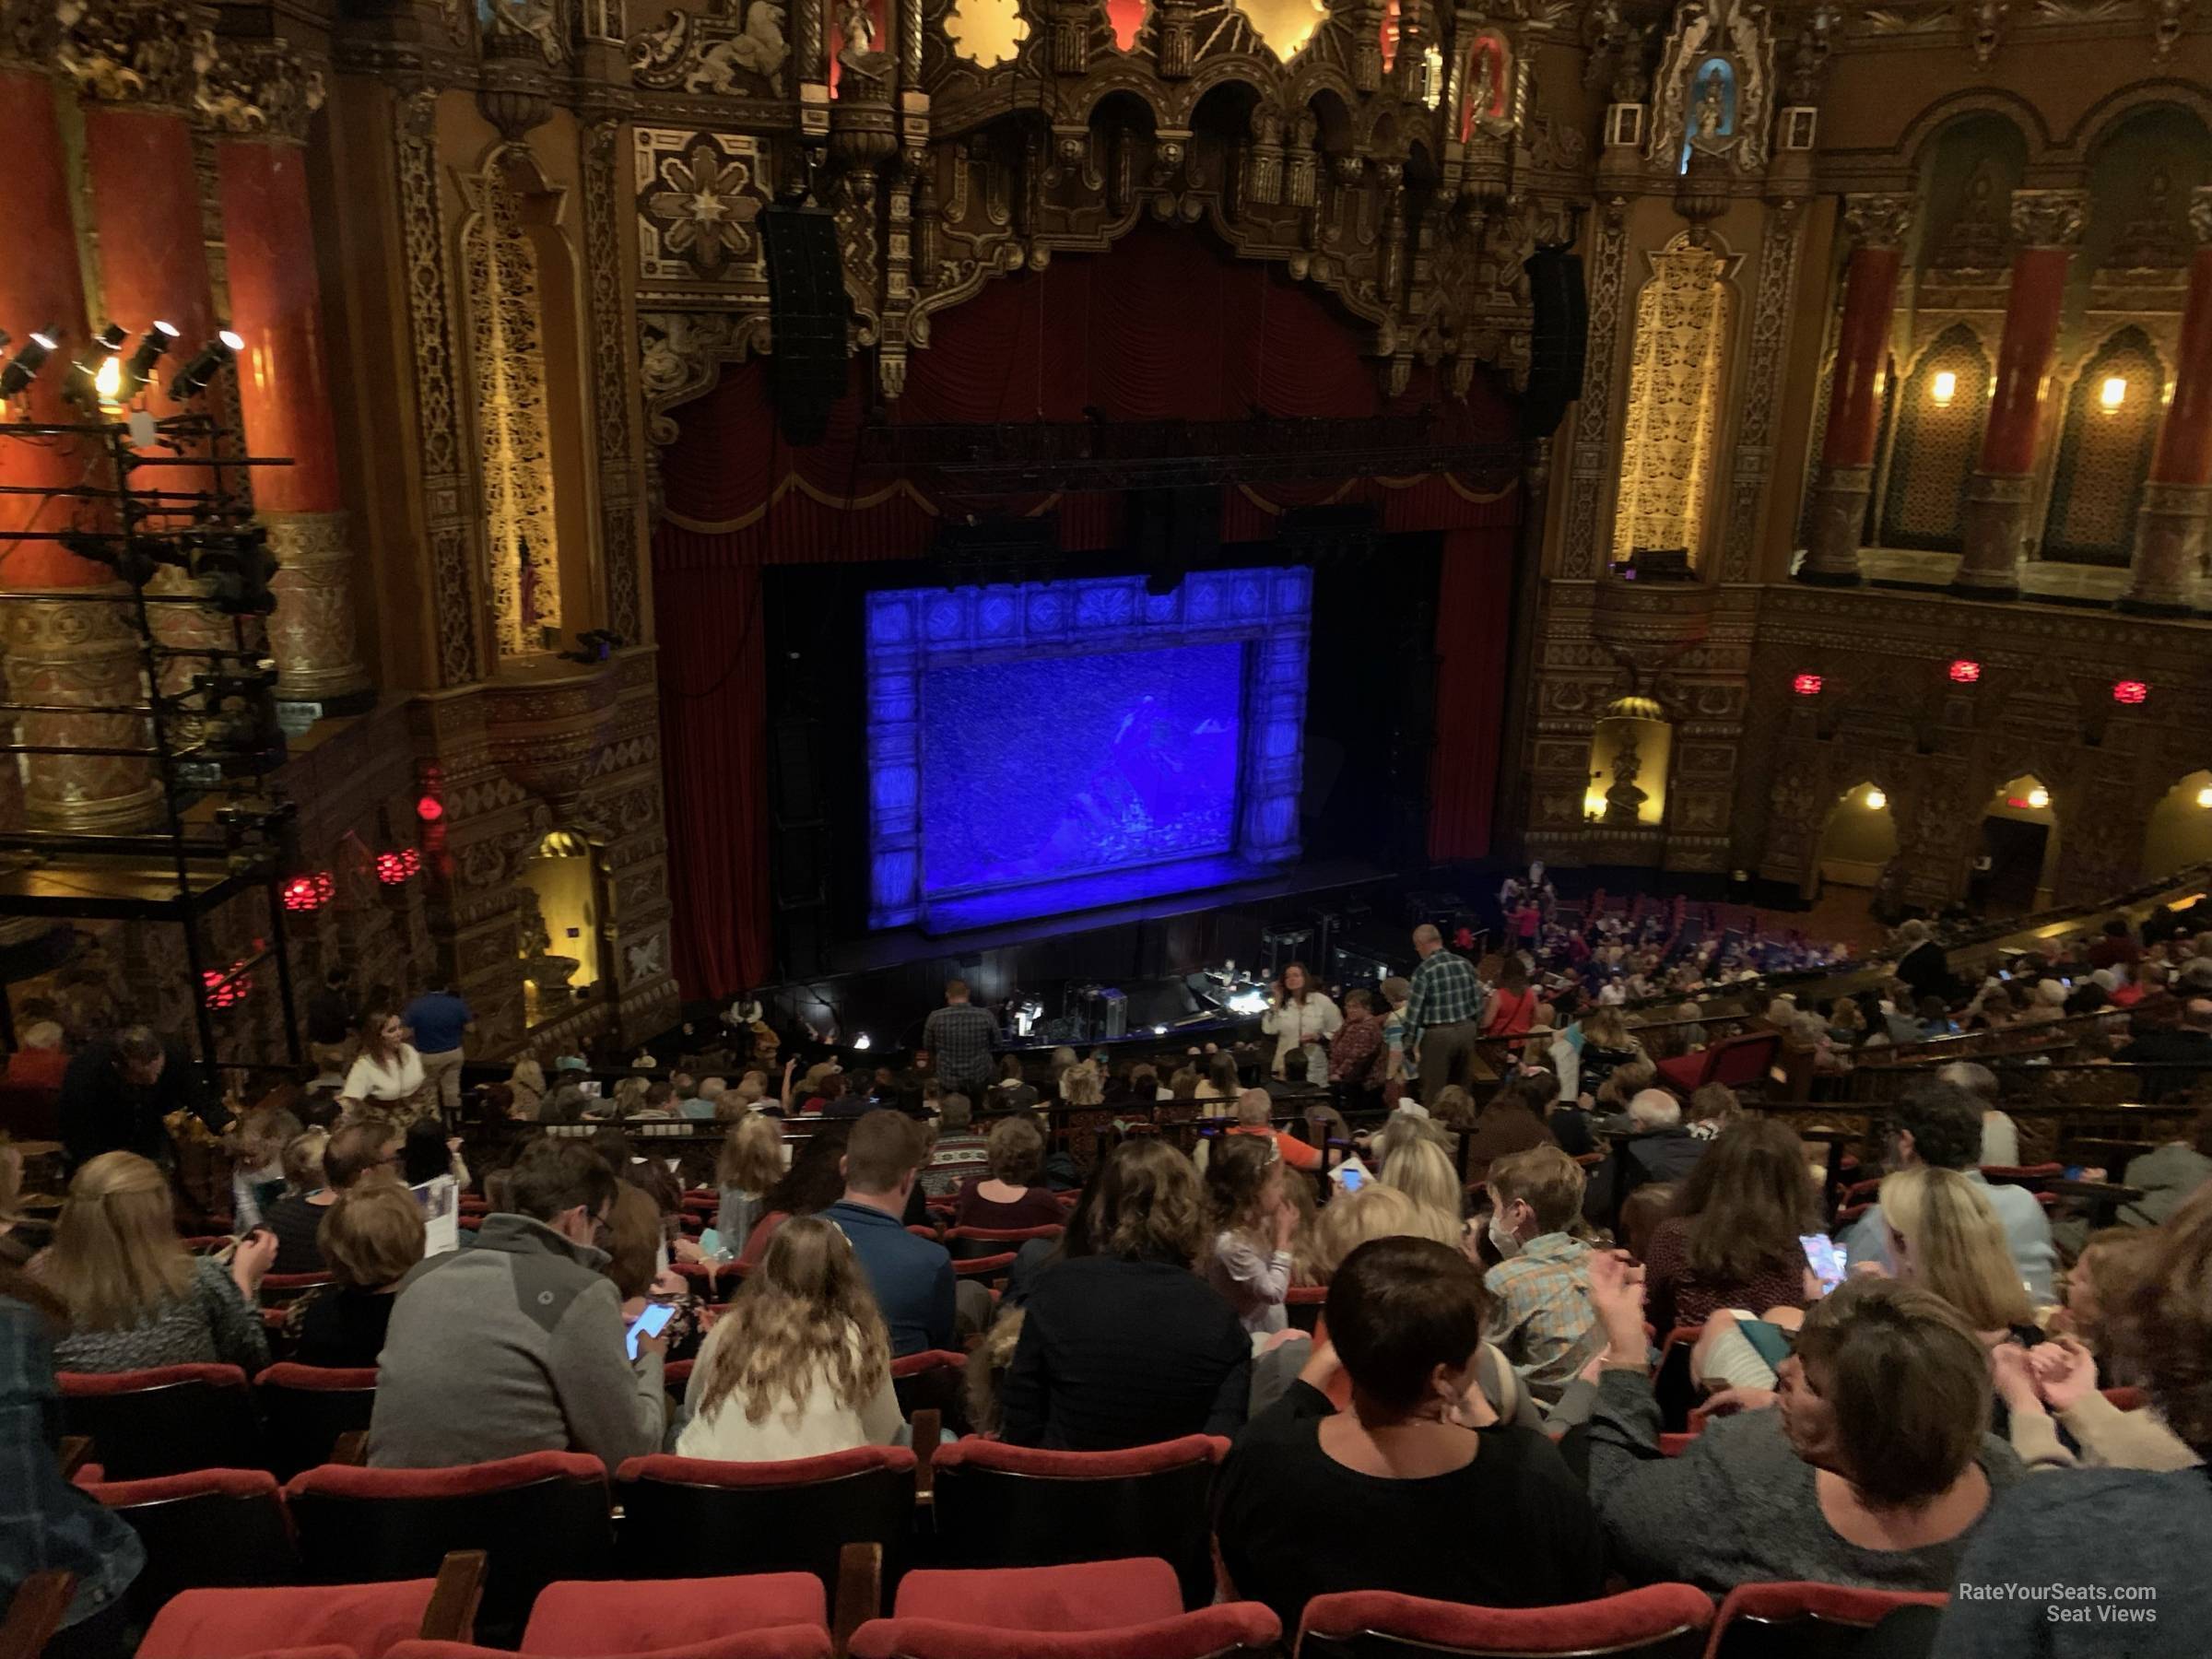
(1877, 225)
(2165, 575)
(63, 651)
(284, 390)
(2046, 224)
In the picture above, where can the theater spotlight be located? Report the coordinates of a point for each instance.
(151, 345)
(23, 367)
(191, 380)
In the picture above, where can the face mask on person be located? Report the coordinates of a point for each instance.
(1502, 1237)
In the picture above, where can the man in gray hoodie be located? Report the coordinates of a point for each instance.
(518, 1345)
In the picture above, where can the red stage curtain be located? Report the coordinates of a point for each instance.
(1474, 609)
(1165, 327)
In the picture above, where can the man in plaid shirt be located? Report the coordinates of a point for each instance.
(1540, 1315)
(962, 1038)
(1439, 1019)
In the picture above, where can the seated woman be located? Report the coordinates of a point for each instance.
(814, 1181)
(633, 1247)
(801, 1363)
(372, 1237)
(1731, 1240)
(1123, 1343)
(1512, 1121)
(1222, 1085)
(1009, 1198)
(318, 1168)
(1420, 1171)
(751, 1162)
(1873, 1469)
(1382, 1496)
(135, 1298)
(2115, 1526)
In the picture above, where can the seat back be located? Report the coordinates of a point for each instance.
(1659, 1621)
(164, 1421)
(689, 1517)
(1797, 1620)
(935, 1380)
(1232, 1631)
(967, 1243)
(1009, 1506)
(580, 1621)
(369, 1620)
(540, 1517)
(208, 1529)
(1302, 1304)
(1741, 1061)
(306, 1408)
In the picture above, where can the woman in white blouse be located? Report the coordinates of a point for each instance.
(801, 1364)
(1301, 1019)
(387, 1075)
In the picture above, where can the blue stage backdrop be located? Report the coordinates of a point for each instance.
(1058, 746)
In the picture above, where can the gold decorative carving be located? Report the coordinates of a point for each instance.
(521, 537)
(261, 89)
(1750, 474)
(612, 390)
(534, 25)
(2168, 19)
(151, 53)
(1985, 24)
(63, 651)
(2049, 219)
(1670, 438)
(1878, 219)
(698, 194)
(727, 48)
(1609, 277)
(312, 633)
(682, 353)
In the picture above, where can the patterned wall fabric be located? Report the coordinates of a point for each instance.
(1936, 446)
(2104, 453)
(1671, 437)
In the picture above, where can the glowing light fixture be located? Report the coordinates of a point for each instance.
(861, 1042)
(2113, 392)
(310, 892)
(1942, 388)
(429, 809)
(151, 345)
(1965, 671)
(107, 380)
(191, 380)
(1807, 685)
(2203, 796)
(2038, 799)
(1876, 800)
(2130, 692)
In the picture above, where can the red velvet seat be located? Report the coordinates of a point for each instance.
(992, 1268)
(936, 1381)
(363, 1620)
(583, 1620)
(691, 1517)
(541, 1517)
(165, 1420)
(1129, 1610)
(1659, 1621)
(966, 1243)
(206, 1529)
(279, 1289)
(787, 1642)
(1805, 1620)
(1735, 1060)
(1011, 1506)
(1302, 1305)
(308, 1407)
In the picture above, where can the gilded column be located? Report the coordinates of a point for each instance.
(2171, 524)
(2046, 225)
(1877, 226)
(260, 98)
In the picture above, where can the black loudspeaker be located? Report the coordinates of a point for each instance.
(1557, 341)
(1168, 529)
(807, 313)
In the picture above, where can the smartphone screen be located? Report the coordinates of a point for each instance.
(1351, 1179)
(650, 1323)
(1826, 1258)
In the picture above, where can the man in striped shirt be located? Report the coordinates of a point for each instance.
(1439, 1019)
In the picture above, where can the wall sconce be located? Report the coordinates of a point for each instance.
(2038, 799)
(309, 893)
(2113, 392)
(1876, 800)
(2203, 796)
(1807, 685)
(2131, 692)
(1965, 671)
(1943, 388)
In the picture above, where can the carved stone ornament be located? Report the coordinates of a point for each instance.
(1986, 21)
(124, 54)
(2168, 19)
(1878, 219)
(681, 355)
(532, 25)
(2200, 214)
(698, 196)
(261, 89)
(1809, 53)
(736, 47)
(312, 633)
(2049, 219)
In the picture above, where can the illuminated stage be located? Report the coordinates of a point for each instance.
(1040, 748)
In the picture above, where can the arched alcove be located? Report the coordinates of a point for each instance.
(558, 937)
(2178, 833)
(2019, 841)
(1711, 110)
(1859, 838)
(1938, 412)
(2107, 430)
(1670, 441)
(1629, 752)
(1969, 170)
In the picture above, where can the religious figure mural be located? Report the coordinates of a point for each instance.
(1490, 96)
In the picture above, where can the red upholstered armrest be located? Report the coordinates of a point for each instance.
(321, 1377)
(468, 1481)
(784, 1641)
(795, 1471)
(198, 1483)
(1636, 1616)
(1000, 1458)
(1841, 1603)
(929, 1360)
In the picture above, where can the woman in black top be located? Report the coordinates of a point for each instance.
(1123, 1343)
(372, 1239)
(1417, 1487)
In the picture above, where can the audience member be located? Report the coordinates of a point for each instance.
(1254, 1108)
(2186, 1049)
(800, 1364)
(331, 1019)
(2000, 1135)
(633, 1244)
(371, 1240)
(2169, 1175)
(962, 1039)
(1399, 1473)
(427, 1153)
(1220, 1083)
(1512, 1121)
(1359, 1057)
(438, 1020)
(1923, 965)
(1121, 1343)
(317, 1168)
(1539, 1314)
(1659, 1147)
(750, 1164)
(1940, 1125)
(1440, 1014)
(1250, 1259)
(1013, 1091)
(387, 1075)
(815, 1181)
(134, 1298)
(516, 1345)
(1712, 1107)
(1731, 1240)
(1007, 1198)
(1872, 1470)
(1511, 1008)
(16, 1239)
(1303, 1021)
(2122, 1530)
(1420, 1171)
(118, 1096)
(912, 1278)
(2117, 948)
(1945, 1237)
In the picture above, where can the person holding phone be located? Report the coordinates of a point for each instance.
(1731, 1239)
(1301, 1020)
